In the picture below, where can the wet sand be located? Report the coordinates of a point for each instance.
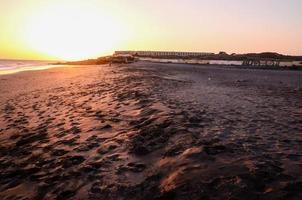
(151, 131)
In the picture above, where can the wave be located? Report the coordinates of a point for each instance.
(13, 66)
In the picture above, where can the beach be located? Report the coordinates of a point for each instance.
(151, 131)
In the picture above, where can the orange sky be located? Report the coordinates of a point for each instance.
(76, 29)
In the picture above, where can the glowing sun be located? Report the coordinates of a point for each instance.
(73, 31)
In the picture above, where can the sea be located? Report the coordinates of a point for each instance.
(14, 66)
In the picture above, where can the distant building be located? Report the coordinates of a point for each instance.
(162, 53)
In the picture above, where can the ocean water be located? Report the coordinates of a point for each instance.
(13, 66)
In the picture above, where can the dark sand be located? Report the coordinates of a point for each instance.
(151, 131)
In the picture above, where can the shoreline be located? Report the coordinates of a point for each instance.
(31, 68)
(284, 65)
(216, 66)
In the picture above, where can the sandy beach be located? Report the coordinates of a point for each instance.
(151, 131)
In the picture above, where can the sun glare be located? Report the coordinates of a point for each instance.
(73, 31)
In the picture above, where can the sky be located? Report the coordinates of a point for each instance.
(77, 29)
